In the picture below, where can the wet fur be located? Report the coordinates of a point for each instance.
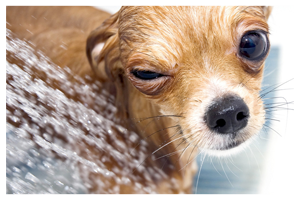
(197, 46)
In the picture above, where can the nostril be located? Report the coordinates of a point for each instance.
(220, 123)
(240, 116)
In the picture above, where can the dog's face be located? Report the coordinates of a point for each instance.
(204, 64)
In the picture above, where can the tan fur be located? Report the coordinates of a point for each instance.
(193, 45)
(196, 47)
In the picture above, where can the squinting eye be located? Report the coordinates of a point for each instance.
(254, 45)
(146, 75)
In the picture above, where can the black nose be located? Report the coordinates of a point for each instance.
(227, 115)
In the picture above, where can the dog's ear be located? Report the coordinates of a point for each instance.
(267, 11)
(103, 52)
(102, 48)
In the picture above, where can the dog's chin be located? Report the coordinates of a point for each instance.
(224, 152)
(228, 150)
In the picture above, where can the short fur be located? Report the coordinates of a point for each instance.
(196, 47)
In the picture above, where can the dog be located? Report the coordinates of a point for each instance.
(194, 72)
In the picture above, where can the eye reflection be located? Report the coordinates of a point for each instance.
(254, 45)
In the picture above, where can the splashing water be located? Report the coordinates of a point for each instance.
(62, 134)
(57, 138)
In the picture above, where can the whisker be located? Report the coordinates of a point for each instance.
(264, 94)
(197, 100)
(268, 98)
(176, 146)
(182, 137)
(259, 151)
(249, 163)
(274, 85)
(272, 119)
(191, 160)
(183, 151)
(211, 161)
(173, 153)
(269, 73)
(277, 109)
(199, 173)
(147, 138)
(283, 89)
(192, 152)
(178, 132)
(271, 108)
(280, 103)
(276, 106)
(225, 173)
(254, 158)
(280, 108)
(163, 129)
(266, 132)
(230, 170)
(159, 116)
(230, 159)
(146, 126)
(272, 129)
(169, 154)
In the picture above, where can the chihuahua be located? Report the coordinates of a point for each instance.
(186, 78)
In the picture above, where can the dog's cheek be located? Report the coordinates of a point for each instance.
(257, 114)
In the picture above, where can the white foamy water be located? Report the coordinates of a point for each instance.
(57, 135)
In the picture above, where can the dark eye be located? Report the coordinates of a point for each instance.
(254, 45)
(146, 75)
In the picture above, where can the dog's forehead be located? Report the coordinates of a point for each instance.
(185, 17)
(170, 33)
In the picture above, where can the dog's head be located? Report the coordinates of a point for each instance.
(204, 64)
